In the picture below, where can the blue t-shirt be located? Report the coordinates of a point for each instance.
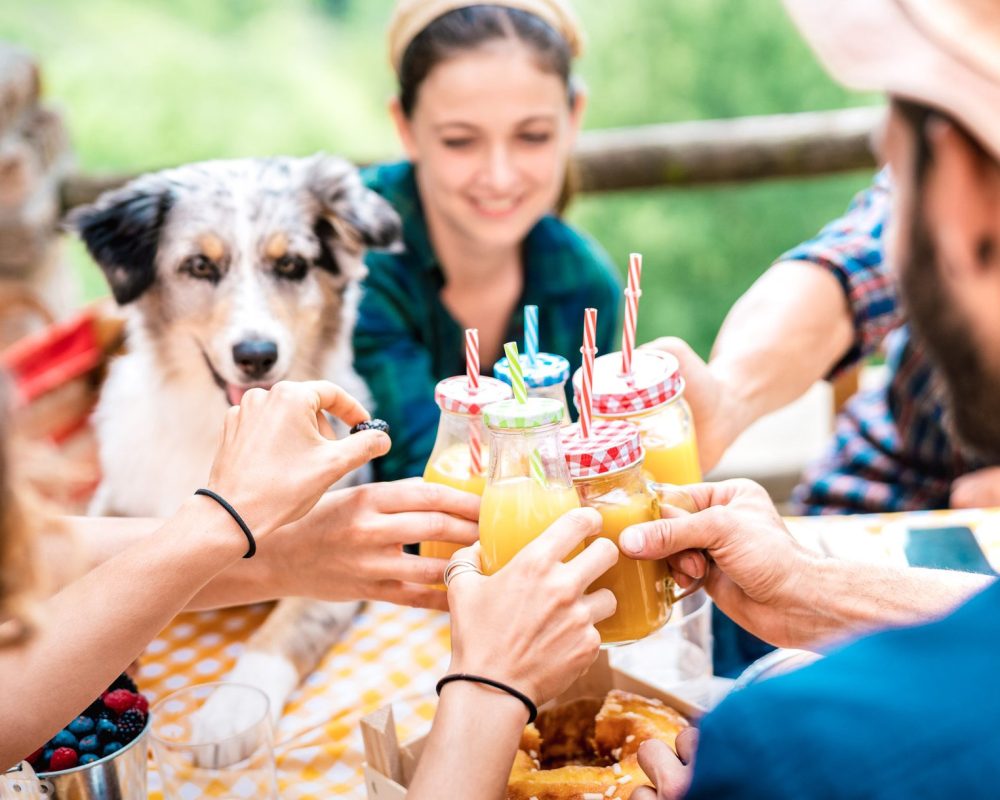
(909, 713)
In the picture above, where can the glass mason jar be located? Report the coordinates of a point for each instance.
(607, 471)
(460, 431)
(528, 485)
(652, 398)
(545, 378)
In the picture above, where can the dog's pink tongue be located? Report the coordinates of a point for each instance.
(235, 393)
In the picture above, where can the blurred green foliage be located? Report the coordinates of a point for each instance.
(157, 82)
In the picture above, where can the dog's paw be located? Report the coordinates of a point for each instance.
(227, 726)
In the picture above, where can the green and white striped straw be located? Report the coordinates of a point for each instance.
(521, 396)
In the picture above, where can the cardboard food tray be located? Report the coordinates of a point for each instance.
(389, 766)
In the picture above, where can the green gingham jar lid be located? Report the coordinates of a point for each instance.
(512, 415)
(548, 370)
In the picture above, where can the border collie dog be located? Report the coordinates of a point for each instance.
(233, 274)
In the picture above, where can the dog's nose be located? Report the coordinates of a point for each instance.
(255, 357)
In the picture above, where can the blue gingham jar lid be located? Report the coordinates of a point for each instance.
(549, 369)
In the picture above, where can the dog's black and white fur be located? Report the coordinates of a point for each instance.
(233, 274)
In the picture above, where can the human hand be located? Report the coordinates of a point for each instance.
(349, 546)
(755, 569)
(530, 625)
(979, 489)
(670, 773)
(277, 454)
(717, 416)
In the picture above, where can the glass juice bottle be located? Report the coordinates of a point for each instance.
(545, 378)
(460, 431)
(528, 485)
(607, 471)
(653, 398)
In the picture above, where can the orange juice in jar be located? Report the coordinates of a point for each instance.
(528, 485)
(460, 436)
(653, 398)
(607, 471)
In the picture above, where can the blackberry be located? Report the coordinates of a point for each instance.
(130, 725)
(372, 425)
(123, 681)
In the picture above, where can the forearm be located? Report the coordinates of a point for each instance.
(471, 746)
(100, 623)
(788, 331)
(845, 599)
(101, 538)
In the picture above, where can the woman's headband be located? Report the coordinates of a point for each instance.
(410, 17)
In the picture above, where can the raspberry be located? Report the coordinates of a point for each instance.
(65, 739)
(81, 726)
(106, 730)
(88, 758)
(123, 681)
(372, 425)
(119, 700)
(130, 724)
(63, 758)
(141, 704)
(89, 744)
(34, 757)
(112, 747)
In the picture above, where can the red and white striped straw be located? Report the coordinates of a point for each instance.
(632, 295)
(589, 350)
(472, 373)
(472, 357)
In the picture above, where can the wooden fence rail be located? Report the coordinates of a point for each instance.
(680, 154)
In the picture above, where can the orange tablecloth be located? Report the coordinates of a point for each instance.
(395, 655)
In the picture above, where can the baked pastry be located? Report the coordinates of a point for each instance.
(586, 749)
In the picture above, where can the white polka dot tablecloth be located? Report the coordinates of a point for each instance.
(389, 655)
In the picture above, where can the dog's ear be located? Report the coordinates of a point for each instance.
(121, 229)
(358, 217)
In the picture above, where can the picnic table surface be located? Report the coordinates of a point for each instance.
(395, 655)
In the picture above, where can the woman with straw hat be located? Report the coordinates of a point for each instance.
(487, 111)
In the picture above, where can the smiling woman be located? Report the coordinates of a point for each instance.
(487, 112)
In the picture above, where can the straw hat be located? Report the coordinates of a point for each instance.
(941, 53)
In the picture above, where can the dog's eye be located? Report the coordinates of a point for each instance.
(291, 267)
(202, 268)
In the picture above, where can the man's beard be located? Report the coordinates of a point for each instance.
(972, 389)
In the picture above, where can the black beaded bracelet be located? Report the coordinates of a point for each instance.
(503, 687)
(239, 520)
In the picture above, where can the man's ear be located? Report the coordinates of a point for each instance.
(352, 215)
(121, 229)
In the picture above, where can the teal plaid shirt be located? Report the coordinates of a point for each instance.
(405, 340)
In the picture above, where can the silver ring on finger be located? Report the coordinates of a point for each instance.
(458, 568)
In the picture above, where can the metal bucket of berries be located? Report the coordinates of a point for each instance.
(100, 755)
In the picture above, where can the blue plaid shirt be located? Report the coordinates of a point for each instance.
(406, 341)
(892, 449)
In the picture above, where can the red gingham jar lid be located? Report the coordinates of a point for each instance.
(613, 445)
(453, 394)
(655, 379)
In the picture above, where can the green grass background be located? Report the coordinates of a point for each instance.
(151, 83)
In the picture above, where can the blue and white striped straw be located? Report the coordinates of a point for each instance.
(531, 333)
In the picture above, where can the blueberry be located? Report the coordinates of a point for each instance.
(88, 758)
(89, 744)
(81, 726)
(106, 729)
(112, 747)
(65, 739)
(47, 756)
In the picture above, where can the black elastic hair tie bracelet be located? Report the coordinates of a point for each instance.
(239, 520)
(503, 687)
